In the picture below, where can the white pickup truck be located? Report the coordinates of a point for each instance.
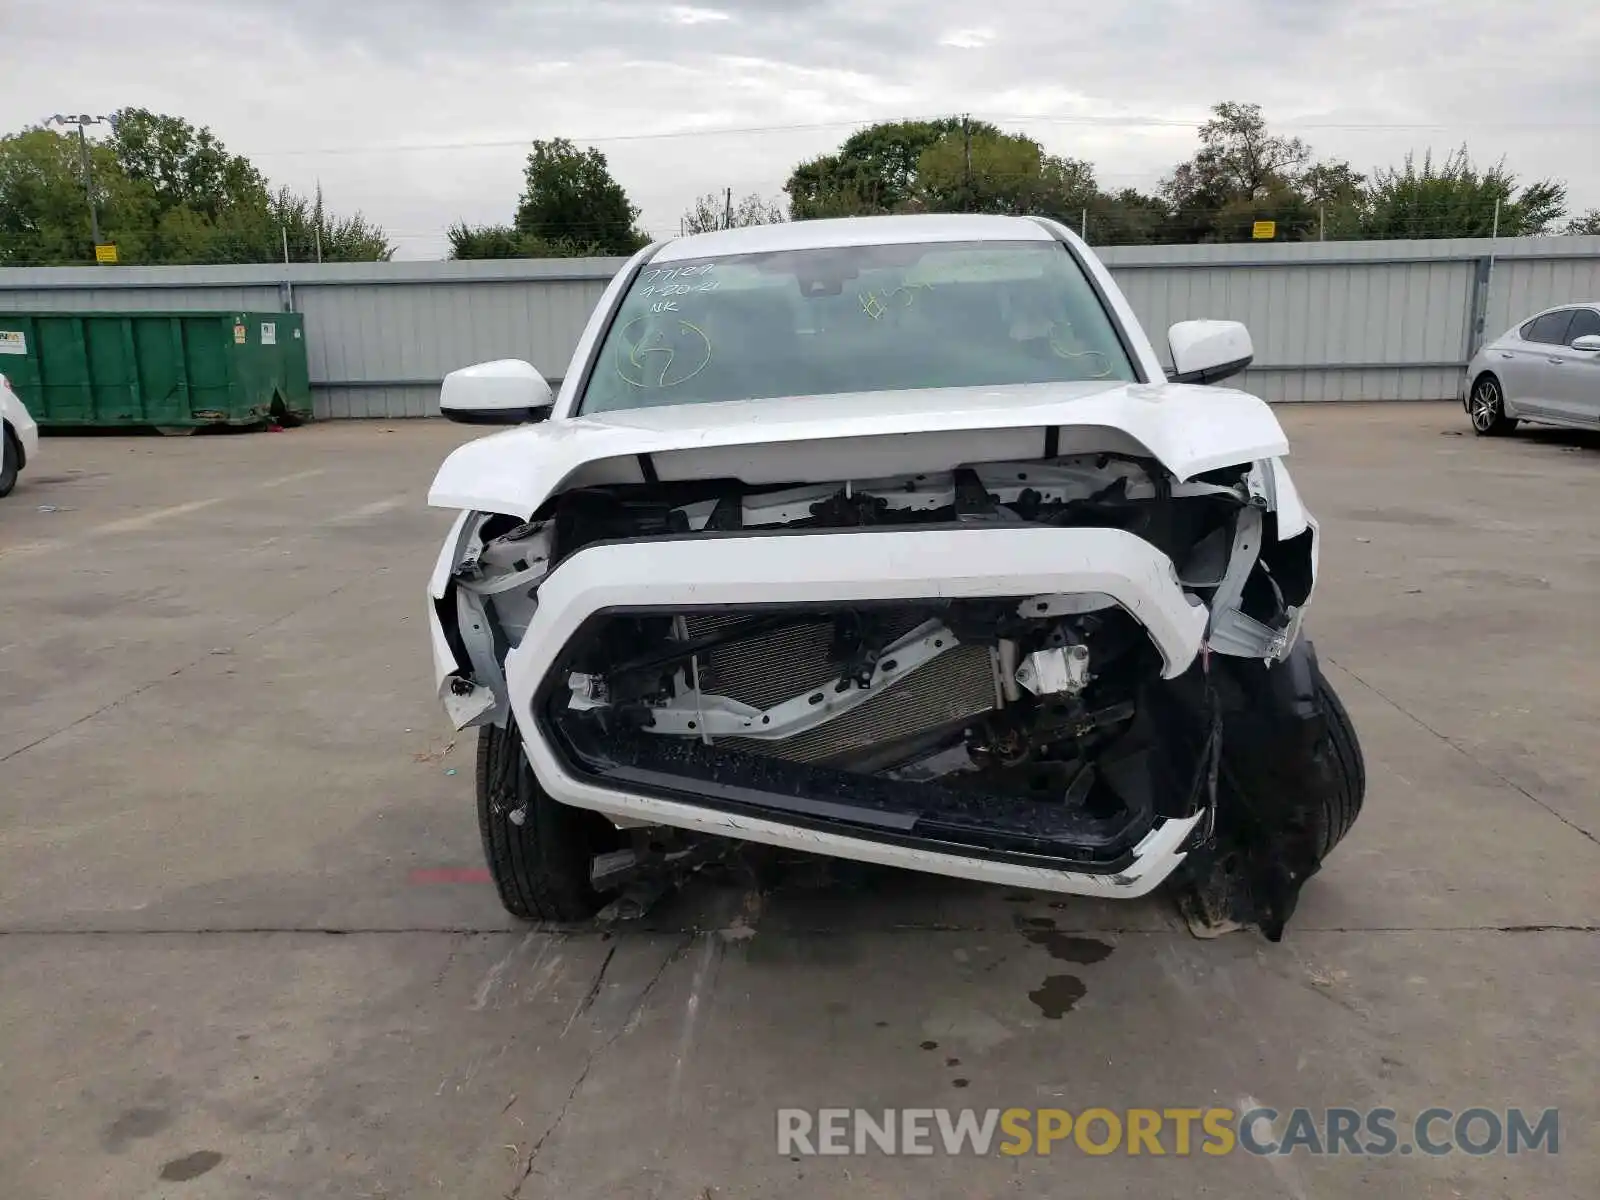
(891, 539)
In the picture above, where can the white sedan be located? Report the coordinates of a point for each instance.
(1546, 370)
(19, 437)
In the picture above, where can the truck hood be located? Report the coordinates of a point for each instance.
(859, 435)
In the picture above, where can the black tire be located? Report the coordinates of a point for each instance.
(10, 460)
(1346, 785)
(540, 866)
(1486, 408)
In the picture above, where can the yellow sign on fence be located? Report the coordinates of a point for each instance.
(1264, 231)
(105, 252)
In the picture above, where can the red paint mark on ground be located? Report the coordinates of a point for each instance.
(449, 875)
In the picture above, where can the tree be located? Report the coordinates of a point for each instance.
(875, 170)
(1127, 218)
(994, 172)
(182, 165)
(1339, 195)
(1238, 158)
(1589, 223)
(484, 241)
(44, 214)
(711, 212)
(1456, 199)
(165, 193)
(316, 235)
(506, 241)
(984, 172)
(1241, 174)
(571, 199)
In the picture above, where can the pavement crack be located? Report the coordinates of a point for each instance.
(457, 940)
(593, 1056)
(594, 990)
(1465, 753)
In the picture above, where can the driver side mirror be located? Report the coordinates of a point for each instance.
(1208, 351)
(1588, 341)
(506, 391)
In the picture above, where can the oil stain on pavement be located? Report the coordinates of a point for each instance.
(190, 1166)
(1057, 995)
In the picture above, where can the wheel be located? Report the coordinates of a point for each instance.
(538, 849)
(1346, 782)
(10, 460)
(176, 430)
(1487, 408)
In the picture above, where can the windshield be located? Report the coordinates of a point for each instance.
(854, 319)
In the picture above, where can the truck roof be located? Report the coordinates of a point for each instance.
(853, 231)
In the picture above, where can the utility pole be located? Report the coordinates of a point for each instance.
(966, 140)
(1322, 222)
(727, 212)
(80, 121)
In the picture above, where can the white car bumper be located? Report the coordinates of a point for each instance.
(748, 571)
(17, 417)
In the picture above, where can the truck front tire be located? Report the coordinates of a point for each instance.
(539, 850)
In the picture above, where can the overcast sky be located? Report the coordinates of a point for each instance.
(417, 112)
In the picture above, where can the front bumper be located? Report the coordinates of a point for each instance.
(22, 424)
(750, 571)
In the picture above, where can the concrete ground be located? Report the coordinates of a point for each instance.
(247, 949)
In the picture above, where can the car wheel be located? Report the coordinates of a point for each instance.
(10, 460)
(1487, 408)
(1345, 784)
(539, 850)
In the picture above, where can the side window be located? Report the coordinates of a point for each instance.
(1551, 328)
(1584, 321)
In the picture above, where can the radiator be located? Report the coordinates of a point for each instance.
(766, 670)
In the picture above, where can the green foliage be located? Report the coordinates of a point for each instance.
(1125, 218)
(874, 171)
(505, 241)
(569, 198)
(1241, 174)
(711, 212)
(43, 212)
(180, 165)
(165, 192)
(1456, 199)
(1589, 223)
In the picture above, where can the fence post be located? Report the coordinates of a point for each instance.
(1478, 306)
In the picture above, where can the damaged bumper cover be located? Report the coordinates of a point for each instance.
(651, 780)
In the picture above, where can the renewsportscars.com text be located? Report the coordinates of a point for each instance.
(1162, 1131)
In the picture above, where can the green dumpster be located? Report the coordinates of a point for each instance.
(174, 370)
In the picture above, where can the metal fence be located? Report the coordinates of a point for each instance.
(1330, 320)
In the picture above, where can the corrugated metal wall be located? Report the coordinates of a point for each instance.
(1331, 321)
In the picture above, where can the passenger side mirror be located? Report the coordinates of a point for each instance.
(1208, 351)
(1589, 341)
(506, 391)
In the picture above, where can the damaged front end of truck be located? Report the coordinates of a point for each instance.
(1077, 670)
